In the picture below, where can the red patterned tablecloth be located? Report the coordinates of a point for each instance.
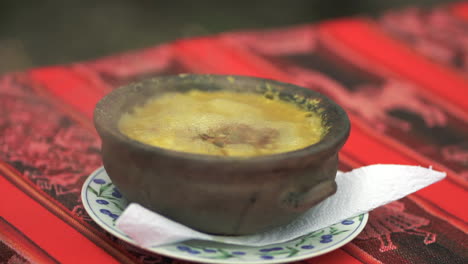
(403, 79)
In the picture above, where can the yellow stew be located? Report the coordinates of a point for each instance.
(222, 123)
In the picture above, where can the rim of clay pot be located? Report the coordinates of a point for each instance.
(331, 142)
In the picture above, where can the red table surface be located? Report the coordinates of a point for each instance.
(401, 77)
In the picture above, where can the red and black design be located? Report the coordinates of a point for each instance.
(46, 146)
(402, 232)
(392, 219)
(434, 33)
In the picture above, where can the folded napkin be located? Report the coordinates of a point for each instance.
(359, 191)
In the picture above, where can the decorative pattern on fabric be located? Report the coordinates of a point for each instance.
(435, 33)
(46, 146)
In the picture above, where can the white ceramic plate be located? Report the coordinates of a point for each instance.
(104, 204)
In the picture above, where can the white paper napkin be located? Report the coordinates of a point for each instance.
(359, 191)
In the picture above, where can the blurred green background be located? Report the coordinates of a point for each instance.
(36, 33)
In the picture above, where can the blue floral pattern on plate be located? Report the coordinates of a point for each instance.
(104, 203)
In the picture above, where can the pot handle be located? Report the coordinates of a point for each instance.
(300, 201)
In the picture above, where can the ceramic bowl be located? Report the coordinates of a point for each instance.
(217, 194)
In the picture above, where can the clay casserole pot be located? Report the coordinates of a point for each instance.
(217, 194)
